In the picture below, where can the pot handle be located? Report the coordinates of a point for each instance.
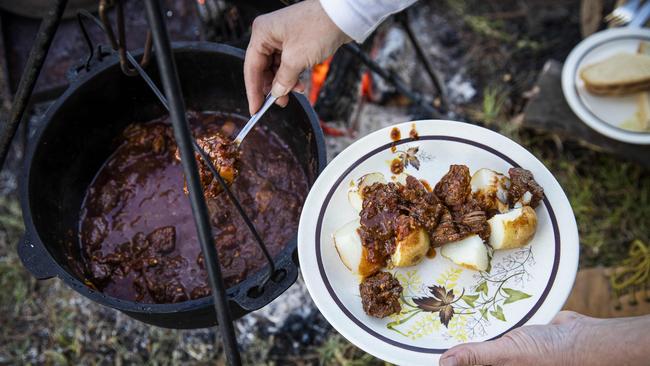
(252, 297)
(35, 258)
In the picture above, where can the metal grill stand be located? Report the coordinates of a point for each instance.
(182, 134)
(28, 79)
(184, 140)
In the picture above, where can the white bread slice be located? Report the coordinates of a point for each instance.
(618, 72)
(640, 121)
(618, 90)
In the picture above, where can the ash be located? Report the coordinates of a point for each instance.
(442, 47)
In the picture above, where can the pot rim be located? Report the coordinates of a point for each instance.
(71, 280)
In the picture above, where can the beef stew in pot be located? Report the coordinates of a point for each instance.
(137, 235)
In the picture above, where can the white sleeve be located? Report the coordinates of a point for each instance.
(358, 18)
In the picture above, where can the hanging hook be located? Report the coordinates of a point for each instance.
(119, 43)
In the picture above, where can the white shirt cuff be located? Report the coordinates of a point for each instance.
(355, 25)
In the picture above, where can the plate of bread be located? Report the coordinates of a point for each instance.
(428, 234)
(606, 82)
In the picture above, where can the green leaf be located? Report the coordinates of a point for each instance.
(498, 313)
(469, 299)
(484, 313)
(490, 255)
(395, 323)
(514, 295)
(482, 287)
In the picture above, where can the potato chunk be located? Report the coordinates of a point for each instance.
(351, 250)
(470, 253)
(410, 250)
(513, 229)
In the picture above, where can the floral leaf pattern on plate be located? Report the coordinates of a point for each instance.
(461, 313)
(410, 157)
(441, 303)
(514, 295)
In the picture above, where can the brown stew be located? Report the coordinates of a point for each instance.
(137, 235)
(448, 213)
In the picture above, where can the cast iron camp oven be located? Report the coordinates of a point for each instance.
(75, 139)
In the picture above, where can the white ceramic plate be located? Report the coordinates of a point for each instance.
(603, 114)
(534, 281)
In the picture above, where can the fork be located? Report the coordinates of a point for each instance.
(622, 14)
(641, 16)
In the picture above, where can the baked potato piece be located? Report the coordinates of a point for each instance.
(411, 249)
(469, 252)
(513, 229)
(355, 194)
(351, 250)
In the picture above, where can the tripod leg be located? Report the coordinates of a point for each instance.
(33, 67)
(403, 19)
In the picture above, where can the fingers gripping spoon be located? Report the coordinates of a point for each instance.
(270, 99)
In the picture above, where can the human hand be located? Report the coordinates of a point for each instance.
(283, 44)
(570, 339)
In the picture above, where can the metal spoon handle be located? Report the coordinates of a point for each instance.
(270, 99)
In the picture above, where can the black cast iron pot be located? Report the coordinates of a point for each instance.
(75, 139)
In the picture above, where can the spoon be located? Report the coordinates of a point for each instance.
(270, 99)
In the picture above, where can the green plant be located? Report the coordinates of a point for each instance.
(493, 101)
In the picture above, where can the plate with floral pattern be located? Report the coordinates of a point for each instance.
(442, 304)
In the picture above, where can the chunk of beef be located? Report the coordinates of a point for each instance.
(224, 155)
(390, 209)
(380, 295)
(471, 219)
(140, 287)
(380, 210)
(139, 243)
(95, 231)
(461, 221)
(100, 272)
(157, 137)
(175, 292)
(423, 205)
(170, 290)
(404, 226)
(199, 292)
(454, 187)
(163, 239)
(523, 187)
(446, 231)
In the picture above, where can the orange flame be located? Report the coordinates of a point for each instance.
(318, 76)
(366, 86)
